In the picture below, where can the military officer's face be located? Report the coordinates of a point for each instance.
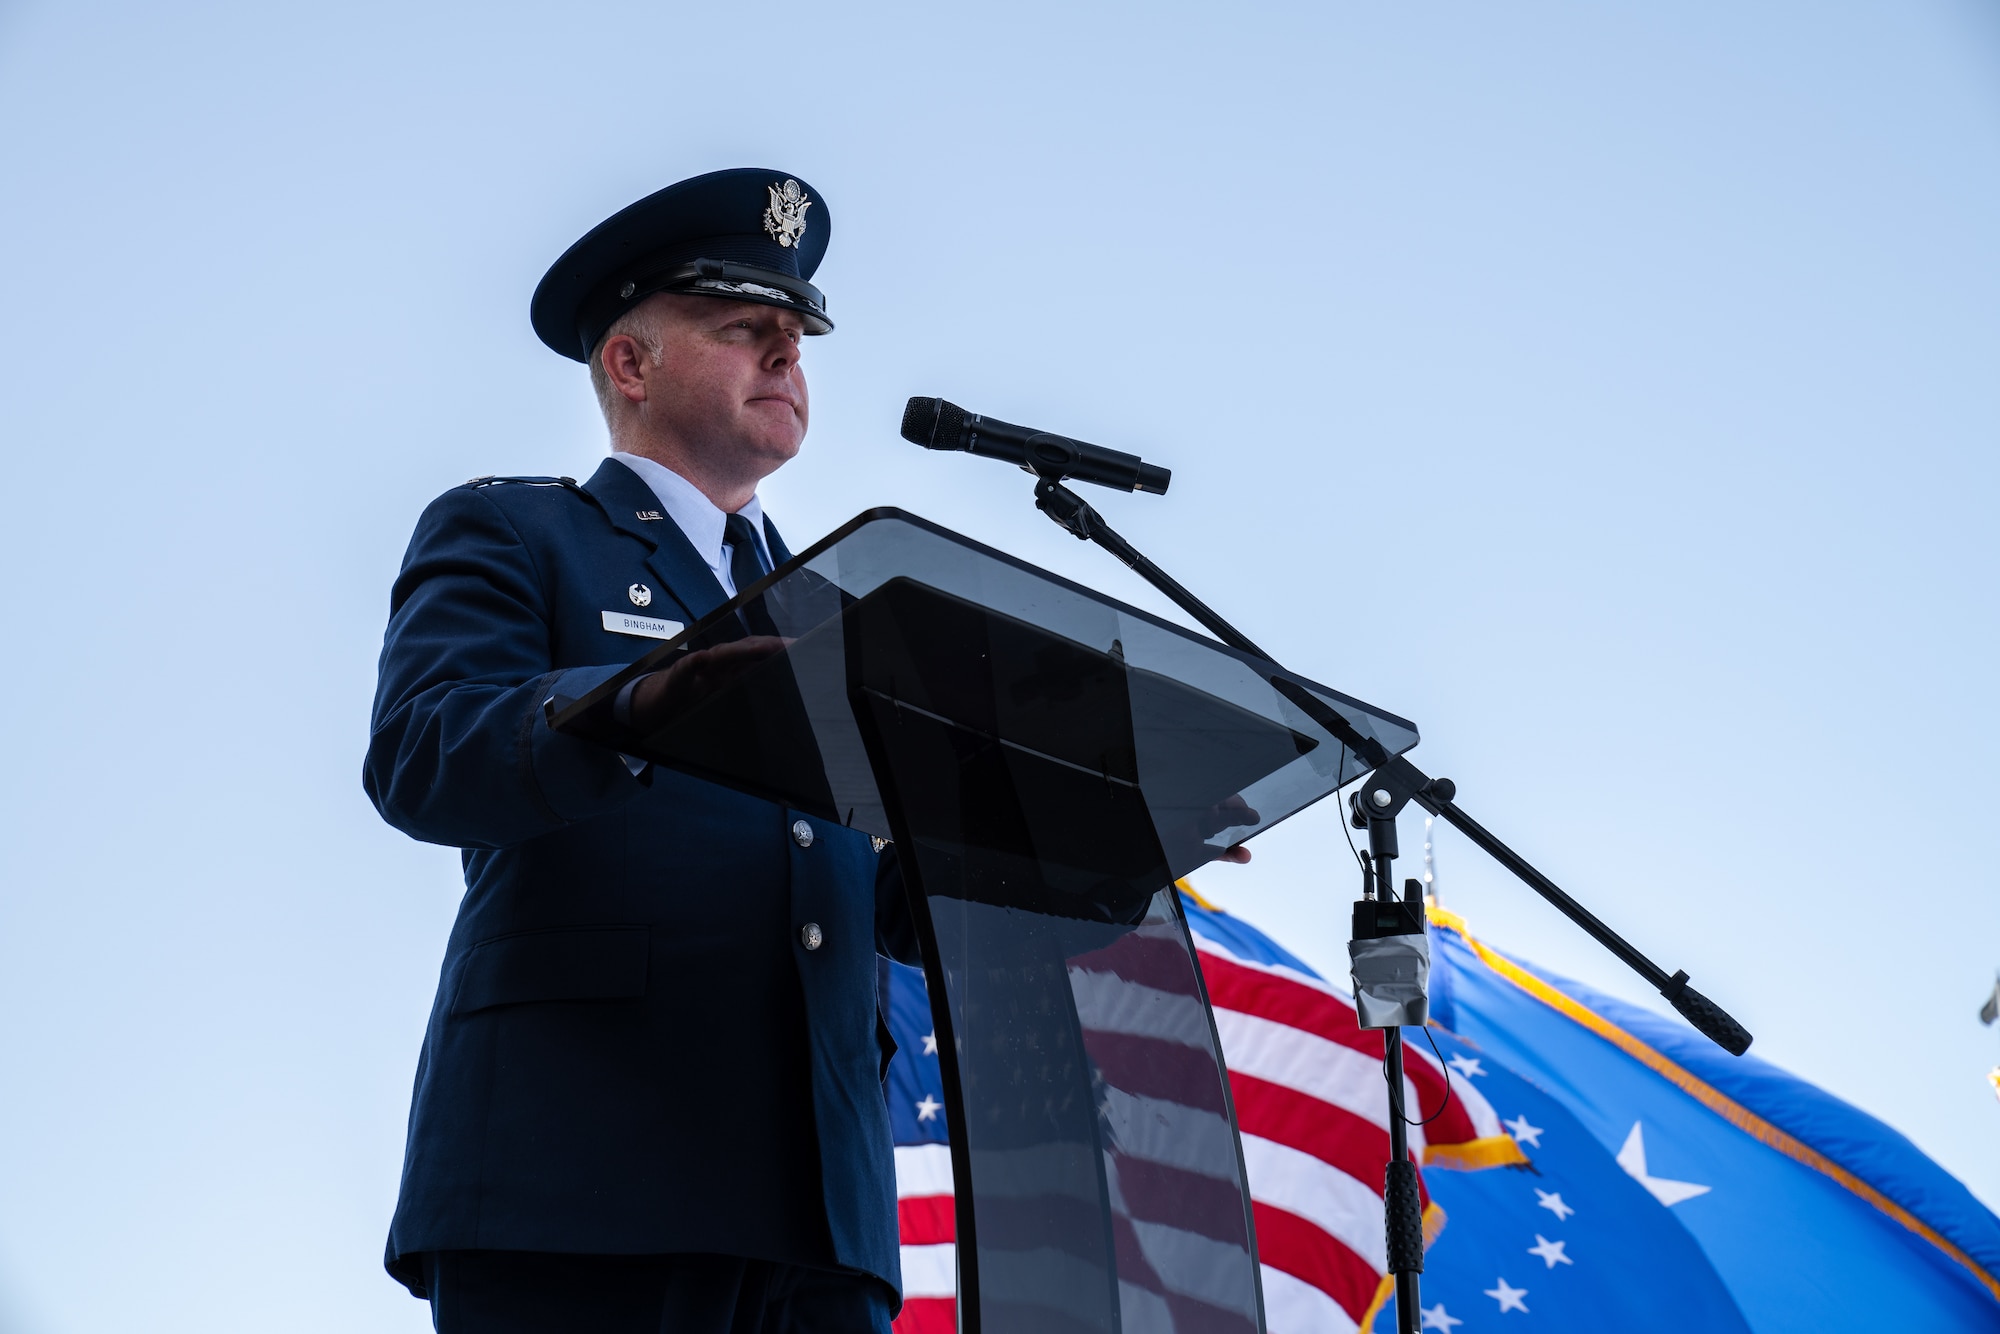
(727, 387)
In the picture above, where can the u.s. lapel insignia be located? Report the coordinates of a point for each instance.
(641, 595)
(785, 219)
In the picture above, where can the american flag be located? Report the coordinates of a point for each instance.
(1306, 1081)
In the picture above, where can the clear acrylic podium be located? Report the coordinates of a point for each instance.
(1047, 762)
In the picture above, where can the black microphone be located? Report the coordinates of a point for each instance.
(936, 424)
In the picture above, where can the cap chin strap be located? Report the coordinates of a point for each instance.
(710, 277)
(723, 275)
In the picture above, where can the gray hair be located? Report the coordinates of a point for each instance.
(642, 324)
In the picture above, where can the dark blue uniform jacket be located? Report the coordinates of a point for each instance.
(631, 1051)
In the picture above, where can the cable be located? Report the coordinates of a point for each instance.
(1396, 1094)
(1367, 871)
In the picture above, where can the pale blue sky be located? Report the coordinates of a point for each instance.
(1610, 389)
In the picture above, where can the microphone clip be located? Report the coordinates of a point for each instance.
(1071, 511)
(1052, 458)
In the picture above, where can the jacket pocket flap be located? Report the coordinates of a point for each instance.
(570, 963)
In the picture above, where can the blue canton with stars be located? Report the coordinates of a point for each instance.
(916, 1087)
(1575, 1242)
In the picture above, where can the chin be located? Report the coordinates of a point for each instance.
(776, 453)
(775, 434)
(780, 441)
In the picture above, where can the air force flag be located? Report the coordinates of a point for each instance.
(1573, 1241)
(1675, 1187)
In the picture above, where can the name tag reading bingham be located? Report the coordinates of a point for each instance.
(625, 623)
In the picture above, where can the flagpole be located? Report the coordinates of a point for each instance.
(1430, 865)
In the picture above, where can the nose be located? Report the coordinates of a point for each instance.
(781, 349)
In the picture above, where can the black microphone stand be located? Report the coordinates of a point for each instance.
(1393, 783)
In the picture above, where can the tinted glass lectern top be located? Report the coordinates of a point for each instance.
(1047, 762)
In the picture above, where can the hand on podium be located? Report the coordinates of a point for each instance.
(660, 697)
(1226, 814)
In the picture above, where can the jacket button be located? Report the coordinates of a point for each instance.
(810, 936)
(802, 833)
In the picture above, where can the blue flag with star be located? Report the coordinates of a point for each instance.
(1674, 1186)
(1571, 1241)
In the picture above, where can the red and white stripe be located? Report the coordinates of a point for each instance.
(1306, 1082)
(923, 1212)
(1177, 1211)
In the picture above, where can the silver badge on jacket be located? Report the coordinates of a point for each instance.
(641, 595)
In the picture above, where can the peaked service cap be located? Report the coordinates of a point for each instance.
(746, 234)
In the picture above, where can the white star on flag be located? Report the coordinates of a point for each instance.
(1524, 1133)
(930, 1044)
(1633, 1159)
(1551, 1252)
(928, 1109)
(1509, 1298)
(1436, 1317)
(1466, 1065)
(1552, 1201)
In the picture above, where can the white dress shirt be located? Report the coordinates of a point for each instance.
(698, 516)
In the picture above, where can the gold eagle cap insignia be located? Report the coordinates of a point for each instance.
(785, 219)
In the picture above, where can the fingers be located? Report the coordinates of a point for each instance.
(1229, 813)
(694, 676)
(751, 648)
(1240, 810)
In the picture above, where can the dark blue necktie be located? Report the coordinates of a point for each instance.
(746, 567)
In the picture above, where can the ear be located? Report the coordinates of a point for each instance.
(624, 362)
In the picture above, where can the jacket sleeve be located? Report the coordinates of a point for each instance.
(459, 752)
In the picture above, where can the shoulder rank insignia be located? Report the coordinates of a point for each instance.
(785, 219)
(567, 483)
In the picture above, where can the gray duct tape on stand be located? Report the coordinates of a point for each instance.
(1391, 975)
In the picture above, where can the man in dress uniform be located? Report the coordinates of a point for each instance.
(649, 1097)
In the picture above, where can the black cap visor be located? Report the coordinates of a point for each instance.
(721, 278)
